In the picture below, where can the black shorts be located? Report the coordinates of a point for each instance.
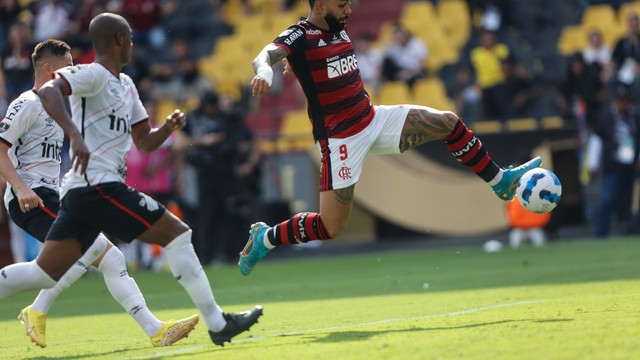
(38, 221)
(112, 208)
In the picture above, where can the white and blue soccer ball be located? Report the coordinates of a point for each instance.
(539, 190)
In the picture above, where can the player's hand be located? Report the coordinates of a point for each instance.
(259, 86)
(287, 68)
(28, 200)
(80, 152)
(176, 121)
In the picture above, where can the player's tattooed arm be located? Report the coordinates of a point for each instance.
(424, 125)
(345, 196)
(269, 56)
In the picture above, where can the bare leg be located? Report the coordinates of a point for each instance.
(424, 124)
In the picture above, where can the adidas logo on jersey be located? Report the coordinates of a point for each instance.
(321, 43)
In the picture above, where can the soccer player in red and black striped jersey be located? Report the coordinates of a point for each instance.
(346, 127)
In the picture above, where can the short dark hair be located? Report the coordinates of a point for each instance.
(49, 47)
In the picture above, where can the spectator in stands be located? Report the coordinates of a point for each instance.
(369, 61)
(485, 62)
(216, 142)
(596, 53)
(582, 92)
(9, 13)
(145, 18)
(626, 53)
(176, 77)
(404, 57)
(619, 128)
(514, 96)
(79, 25)
(52, 20)
(16, 60)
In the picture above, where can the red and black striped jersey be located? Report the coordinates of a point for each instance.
(325, 65)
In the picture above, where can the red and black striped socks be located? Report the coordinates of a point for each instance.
(468, 150)
(301, 228)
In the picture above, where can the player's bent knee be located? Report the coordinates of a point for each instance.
(450, 118)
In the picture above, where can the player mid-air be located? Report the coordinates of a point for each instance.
(346, 127)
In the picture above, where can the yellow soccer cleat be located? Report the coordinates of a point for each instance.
(173, 331)
(35, 323)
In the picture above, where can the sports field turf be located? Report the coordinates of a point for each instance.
(569, 300)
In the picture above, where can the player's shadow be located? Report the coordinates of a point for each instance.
(346, 336)
(89, 356)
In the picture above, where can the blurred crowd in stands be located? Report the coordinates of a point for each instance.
(507, 65)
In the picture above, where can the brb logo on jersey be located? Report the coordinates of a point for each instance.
(341, 66)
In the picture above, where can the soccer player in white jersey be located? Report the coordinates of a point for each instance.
(109, 115)
(30, 154)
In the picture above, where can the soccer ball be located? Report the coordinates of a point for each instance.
(539, 190)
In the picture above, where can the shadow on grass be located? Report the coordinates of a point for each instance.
(348, 336)
(89, 355)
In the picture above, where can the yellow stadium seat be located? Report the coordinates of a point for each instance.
(440, 53)
(424, 89)
(394, 92)
(296, 131)
(572, 39)
(455, 19)
(595, 15)
(417, 12)
(487, 126)
(524, 124)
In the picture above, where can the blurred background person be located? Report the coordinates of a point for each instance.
(219, 147)
(479, 75)
(16, 60)
(370, 61)
(404, 57)
(619, 128)
(52, 20)
(514, 96)
(597, 52)
(626, 53)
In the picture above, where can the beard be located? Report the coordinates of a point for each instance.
(334, 24)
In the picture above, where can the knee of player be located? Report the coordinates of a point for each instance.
(450, 118)
(334, 228)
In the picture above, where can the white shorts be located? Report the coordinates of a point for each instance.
(342, 159)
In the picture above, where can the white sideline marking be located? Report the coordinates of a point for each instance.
(340, 327)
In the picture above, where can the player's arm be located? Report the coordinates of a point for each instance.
(262, 64)
(51, 94)
(147, 139)
(24, 194)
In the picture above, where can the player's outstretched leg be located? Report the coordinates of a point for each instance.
(173, 331)
(506, 187)
(255, 249)
(236, 323)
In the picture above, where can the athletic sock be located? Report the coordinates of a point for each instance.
(301, 228)
(21, 277)
(125, 290)
(468, 150)
(46, 297)
(186, 268)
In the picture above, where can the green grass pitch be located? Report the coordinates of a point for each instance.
(568, 300)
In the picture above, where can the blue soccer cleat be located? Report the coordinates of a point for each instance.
(506, 188)
(254, 250)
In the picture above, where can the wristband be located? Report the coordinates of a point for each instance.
(266, 73)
